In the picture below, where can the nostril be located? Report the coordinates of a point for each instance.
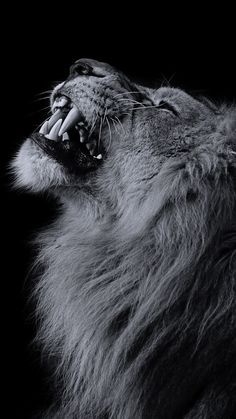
(88, 67)
(81, 69)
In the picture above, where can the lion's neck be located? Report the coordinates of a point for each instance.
(126, 286)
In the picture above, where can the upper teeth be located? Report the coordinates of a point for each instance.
(54, 118)
(44, 128)
(59, 125)
(55, 127)
(73, 116)
(54, 132)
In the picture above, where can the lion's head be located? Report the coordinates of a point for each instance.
(137, 299)
(105, 129)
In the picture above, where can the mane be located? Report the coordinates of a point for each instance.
(127, 296)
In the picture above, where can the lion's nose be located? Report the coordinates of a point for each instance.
(80, 68)
(89, 67)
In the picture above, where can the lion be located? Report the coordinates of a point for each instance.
(136, 297)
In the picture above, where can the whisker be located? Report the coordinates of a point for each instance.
(44, 92)
(93, 125)
(100, 133)
(127, 93)
(166, 81)
(115, 123)
(38, 111)
(120, 123)
(109, 127)
(38, 127)
(130, 100)
(40, 99)
(100, 128)
(45, 108)
(148, 107)
(171, 78)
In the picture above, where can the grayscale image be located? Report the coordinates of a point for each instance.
(139, 268)
(120, 184)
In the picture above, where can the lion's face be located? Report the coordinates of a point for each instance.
(103, 126)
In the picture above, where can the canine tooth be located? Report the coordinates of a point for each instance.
(44, 128)
(73, 116)
(54, 118)
(53, 134)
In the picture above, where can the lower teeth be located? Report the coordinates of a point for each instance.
(65, 137)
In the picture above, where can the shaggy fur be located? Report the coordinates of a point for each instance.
(137, 301)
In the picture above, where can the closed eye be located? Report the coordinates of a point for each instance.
(168, 107)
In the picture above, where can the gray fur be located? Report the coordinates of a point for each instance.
(137, 299)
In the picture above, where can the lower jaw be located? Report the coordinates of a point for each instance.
(72, 159)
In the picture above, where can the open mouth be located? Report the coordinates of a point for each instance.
(67, 138)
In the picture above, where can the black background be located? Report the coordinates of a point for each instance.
(152, 47)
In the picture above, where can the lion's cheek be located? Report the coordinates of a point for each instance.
(36, 171)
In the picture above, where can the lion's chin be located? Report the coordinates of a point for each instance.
(35, 170)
